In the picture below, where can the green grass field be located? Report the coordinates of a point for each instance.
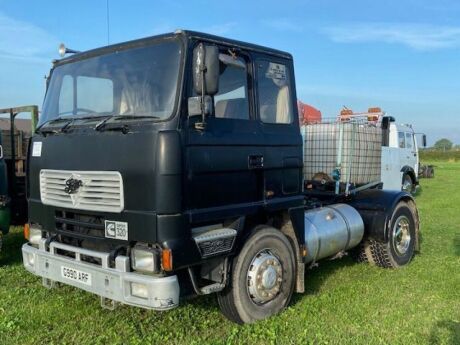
(345, 303)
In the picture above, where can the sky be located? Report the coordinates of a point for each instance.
(401, 55)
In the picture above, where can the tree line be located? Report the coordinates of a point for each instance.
(445, 144)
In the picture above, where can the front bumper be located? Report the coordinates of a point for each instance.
(115, 284)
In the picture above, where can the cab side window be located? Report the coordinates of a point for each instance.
(274, 93)
(401, 140)
(409, 140)
(231, 102)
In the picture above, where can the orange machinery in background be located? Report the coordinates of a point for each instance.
(308, 114)
(372, 114)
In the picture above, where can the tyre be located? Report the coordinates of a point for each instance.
(262, 278)
(399, 249)
(361, 252)
(430, 172)
(407, 183)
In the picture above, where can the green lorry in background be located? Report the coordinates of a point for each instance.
(15, 133)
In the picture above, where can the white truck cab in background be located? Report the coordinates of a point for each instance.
(400, 159)
(400, 155)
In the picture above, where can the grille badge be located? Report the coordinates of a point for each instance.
(72, 185)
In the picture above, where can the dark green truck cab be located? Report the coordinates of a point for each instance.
(15, 133)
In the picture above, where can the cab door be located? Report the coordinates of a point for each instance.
(413, 156)
(278, 118)
(408, 154)
(224, 161)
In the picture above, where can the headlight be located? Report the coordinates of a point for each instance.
(144, 259)
(35, 235)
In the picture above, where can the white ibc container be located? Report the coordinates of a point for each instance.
(353, 148)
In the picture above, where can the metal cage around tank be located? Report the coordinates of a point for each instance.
(342, 156)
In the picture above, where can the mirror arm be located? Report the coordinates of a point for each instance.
(202, 125)
(203, 112)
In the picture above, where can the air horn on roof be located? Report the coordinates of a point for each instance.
(63, 50)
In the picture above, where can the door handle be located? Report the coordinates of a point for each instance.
(255, 161)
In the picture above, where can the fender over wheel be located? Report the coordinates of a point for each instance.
(399, 248)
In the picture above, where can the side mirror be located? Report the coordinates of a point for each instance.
(206, 69)
(194, 105)
(424, 140)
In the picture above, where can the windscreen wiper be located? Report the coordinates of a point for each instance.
(101, 125)
(67, 125)
(41, 130)
(69, 122)
(124, 117)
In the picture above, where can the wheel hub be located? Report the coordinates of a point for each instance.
(401, 235)
(264, 277)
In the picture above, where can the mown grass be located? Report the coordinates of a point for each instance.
(345, 303)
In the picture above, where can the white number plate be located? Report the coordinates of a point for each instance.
(76, 275)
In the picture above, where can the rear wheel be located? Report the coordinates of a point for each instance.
(430, 172)
(262, 278)
(361, 253)
(399, 248)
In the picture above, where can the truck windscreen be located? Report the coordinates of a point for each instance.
(139, 81)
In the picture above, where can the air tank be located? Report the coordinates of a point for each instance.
(330, 230)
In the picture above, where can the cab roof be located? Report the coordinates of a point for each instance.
(186, 34)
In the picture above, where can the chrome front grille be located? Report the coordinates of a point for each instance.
(82, 190)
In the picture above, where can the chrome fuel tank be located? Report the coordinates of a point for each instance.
(331, 229)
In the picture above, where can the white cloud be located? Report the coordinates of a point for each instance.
(283, 24)
(20, 39)
(416, 36)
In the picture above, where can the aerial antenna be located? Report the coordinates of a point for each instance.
(108, 22)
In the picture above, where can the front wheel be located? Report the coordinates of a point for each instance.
(262, 278)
